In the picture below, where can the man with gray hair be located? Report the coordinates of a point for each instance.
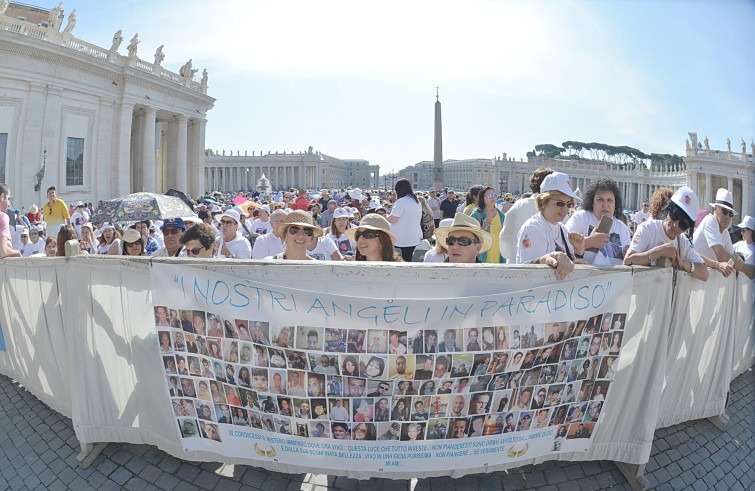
(327, 215)
(270, 244)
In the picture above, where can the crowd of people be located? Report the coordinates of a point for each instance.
(552, 225)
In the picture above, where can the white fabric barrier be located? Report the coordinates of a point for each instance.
(102, 322)
(744, 341)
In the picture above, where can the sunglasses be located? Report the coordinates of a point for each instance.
(491, 195)
(463, 241)
(195, 251)
(678, 215)
(294, 230)
(171, 231)
(561, 204)
(227, 222)
(727, 212)
(367, 234)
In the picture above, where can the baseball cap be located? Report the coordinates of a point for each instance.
(174, 222)
(558, 181)
(747, 222)
(686, 199)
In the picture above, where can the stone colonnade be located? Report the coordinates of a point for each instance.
(235, 177)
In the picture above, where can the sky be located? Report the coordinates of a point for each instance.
(357, 79)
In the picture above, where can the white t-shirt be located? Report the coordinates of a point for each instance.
(519, 213)
(611, 254)
(77, 220)
(434, 204)
(747, 251)
(163, 252)
(538, 237)
(32, 248)
(267, 245)
(343, 244)
(239, 247)
(707, 235)
(407, 229)
(432, 257)
(641, 217)
(325, 247)
(650, 234)
(261, 228)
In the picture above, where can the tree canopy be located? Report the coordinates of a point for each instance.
(617, 155)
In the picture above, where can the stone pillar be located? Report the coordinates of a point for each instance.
(746, 194)
(708, 192)
(148, 182)
(181, 164)
(120, 183)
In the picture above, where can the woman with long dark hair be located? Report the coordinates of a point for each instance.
(406, 219)
(491, 220)
(374, 239)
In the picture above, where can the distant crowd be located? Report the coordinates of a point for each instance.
(552, 225)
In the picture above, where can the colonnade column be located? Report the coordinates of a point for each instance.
(148, 151)
(708, 194)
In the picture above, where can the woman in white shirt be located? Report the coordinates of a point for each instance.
(543, 238)
(405, 219)
(602, 198)
(337, 234)
(655, 239)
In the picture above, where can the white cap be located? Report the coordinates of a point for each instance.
(558, 181)
(446, 222)
(724, 199)
(265, 208)
(687, 200)
(233, 214)
(356, 194)
(24, 231)
(215, 209)
(747, 222)
(340, 213)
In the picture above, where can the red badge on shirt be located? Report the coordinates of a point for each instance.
(526, 242)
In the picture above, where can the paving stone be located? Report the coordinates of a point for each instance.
(207, 480)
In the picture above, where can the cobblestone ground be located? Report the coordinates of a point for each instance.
(38, 451)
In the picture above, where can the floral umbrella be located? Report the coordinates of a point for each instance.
(139, 207)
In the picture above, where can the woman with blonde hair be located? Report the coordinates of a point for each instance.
(296, 232)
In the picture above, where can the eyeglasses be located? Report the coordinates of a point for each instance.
(463, 241)
(491, 195)
(195, 251)
(227, 222)
(561, 204)
(294, 230)
(367, 234)
(678, 215)
(171, 231)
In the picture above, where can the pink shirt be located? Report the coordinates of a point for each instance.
(5, 229)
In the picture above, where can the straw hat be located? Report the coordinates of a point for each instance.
(467, 224)
(372, 221)
(301, 219)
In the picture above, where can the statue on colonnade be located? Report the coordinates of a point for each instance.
(117, 40)
(4, 6)
(187, 70)
(707, 147)
(728, 145)
(133, 45)
(744, 146)
(159, 55)
(55, 17)
(71, 22)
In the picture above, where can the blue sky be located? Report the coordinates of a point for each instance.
(356, 79)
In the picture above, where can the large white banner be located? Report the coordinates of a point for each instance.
(264, 372)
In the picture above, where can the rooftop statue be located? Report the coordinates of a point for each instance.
(187, 71)
(71, 22)
(707, 147)
(55, 17)
(744, 146)
(133, 45)
(728, 144)
(117, 40)
(204, 78)
(159, 55)
(4, 6)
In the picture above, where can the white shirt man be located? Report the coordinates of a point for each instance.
(643, 215)
(711, 238)
(232, 244)
(434, 203)
(270, 244)
(338, 412)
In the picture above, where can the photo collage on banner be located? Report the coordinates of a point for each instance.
(2, 339)
(388, 385)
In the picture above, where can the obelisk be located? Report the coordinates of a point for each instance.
(438, 153)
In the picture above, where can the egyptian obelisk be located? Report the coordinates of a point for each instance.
(438, 154)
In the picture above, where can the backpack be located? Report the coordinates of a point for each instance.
(427, 222)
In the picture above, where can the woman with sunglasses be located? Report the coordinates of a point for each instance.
(491, 220)
(374, 239)
(656, 239)
(133, 243)
(296, 232)
(543, 237)
(602, 198)
(199, 240)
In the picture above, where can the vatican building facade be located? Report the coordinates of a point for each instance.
(96, 122)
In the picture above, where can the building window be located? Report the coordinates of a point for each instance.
(75, 162)
(3, 151)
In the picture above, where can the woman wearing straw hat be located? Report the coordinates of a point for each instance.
(297, 231)
(133, 243)
(374, 239)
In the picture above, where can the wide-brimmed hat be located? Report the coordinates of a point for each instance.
(558, 181)
(724, 199)
(131, 236)
(747, 222)
(372, 221)
(465, 223)
(299, 218)
(687, 200)
(356, 194)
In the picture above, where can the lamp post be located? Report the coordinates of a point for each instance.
(500, 184)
